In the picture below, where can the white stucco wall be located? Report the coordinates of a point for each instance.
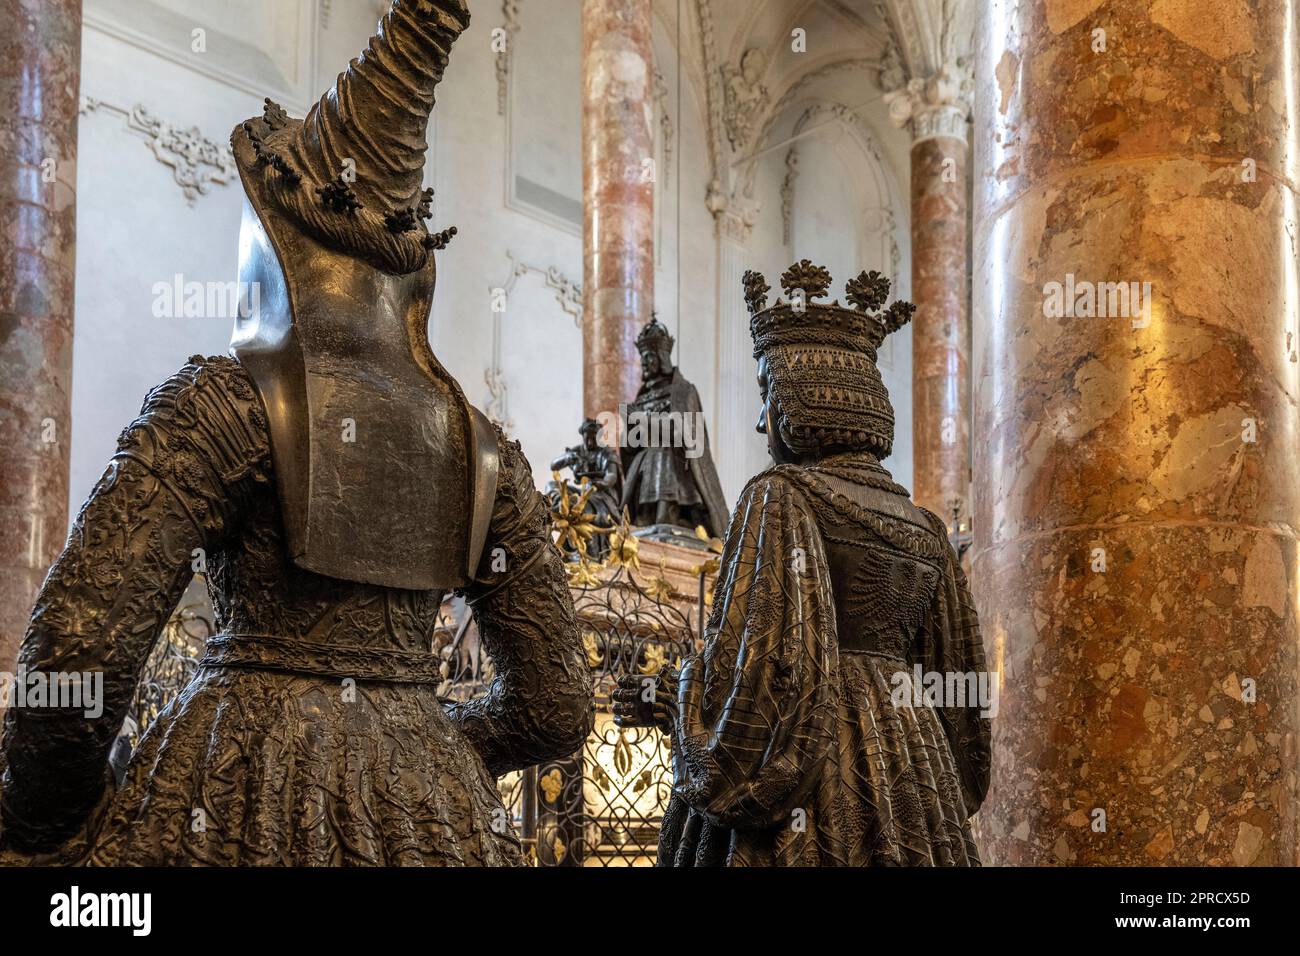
(136, 228)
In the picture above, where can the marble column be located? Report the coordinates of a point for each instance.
(1136, 492)
(936, 113)
(40, 79)
(617, 197)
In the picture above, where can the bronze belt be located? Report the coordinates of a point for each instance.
(890, 646)
(337, 661)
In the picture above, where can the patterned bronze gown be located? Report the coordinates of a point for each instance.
(789, 748)
(312, 734)
(800, 734)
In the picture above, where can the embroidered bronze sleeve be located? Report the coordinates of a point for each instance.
(757, 705)
(173, 486)
(539, 706)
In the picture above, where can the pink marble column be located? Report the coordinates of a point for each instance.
(40, 80)
(1137, 423)
(940, 333)
(617, 197)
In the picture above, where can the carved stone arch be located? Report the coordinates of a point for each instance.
(892, 202)
(916, 28)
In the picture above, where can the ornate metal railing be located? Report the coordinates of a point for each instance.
(602, 806)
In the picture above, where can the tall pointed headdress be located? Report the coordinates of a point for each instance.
(379, 460)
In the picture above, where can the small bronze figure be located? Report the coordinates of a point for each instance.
(800, 734)
(670, 479)
(600, 467)
(594, 489)
(334, 484)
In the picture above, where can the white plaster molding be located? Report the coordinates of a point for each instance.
(510, 26)
(787, 194)
(811, 76)
(568, 296)
(506, 81)
(734, 218)
(881, 174)
(246, 68)
(927, 73)
(719, 181)
(197, 163)
(934, 106)
(745, 98)
(665, 127)
(916, 42)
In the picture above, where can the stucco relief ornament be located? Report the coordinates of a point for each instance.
(937, 105)
(745, 96)
(892, 74)
(197, 163)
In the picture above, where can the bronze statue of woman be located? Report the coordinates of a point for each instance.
(335, 485)
(800, 734)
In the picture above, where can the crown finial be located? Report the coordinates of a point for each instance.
(868, 291)
(814, 280)
(756, 289)
(898, 315)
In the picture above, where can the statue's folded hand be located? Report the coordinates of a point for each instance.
(646, 700)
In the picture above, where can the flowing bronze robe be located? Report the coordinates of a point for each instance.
(788, 749)
(312, 733)
(665, 472)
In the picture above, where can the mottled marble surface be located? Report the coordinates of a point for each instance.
(40, 70)
(618, 197)
(1160, 442)
(940, 330)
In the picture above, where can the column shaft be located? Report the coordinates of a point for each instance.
(618, 197)
(940, 331)
(40, 79)
(1136, 501)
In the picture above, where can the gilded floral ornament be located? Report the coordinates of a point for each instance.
(572, 523)
(659, 588)
(582, 573)
(655, 658)
(623, 546)
(591, 646)
(551, 783)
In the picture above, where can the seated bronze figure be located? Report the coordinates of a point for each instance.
(334, 484)
(798, 734)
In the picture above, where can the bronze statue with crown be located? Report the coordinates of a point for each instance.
(670, 484)
(333, 483)
(807, 731)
